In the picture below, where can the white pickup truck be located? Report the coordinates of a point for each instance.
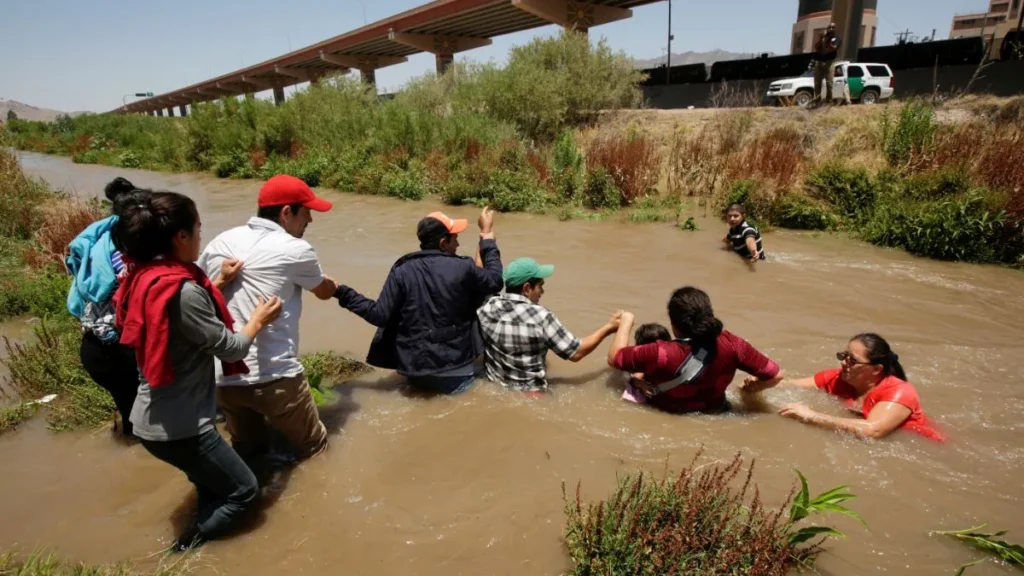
(869, 83)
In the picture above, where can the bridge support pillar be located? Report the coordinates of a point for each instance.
(278, 95)
(170, 111)
(183, 110)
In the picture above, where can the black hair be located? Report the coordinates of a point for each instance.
(117, 187)
(518, 288)
(431, 231)
(148, 221)
(880, 353)
(648, 333)
(737, 208)
(691, 314)
(273, 213)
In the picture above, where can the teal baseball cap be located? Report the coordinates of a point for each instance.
(522, 270)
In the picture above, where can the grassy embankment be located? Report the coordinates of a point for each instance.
(945, 183)
(36, 225)
(46, 564)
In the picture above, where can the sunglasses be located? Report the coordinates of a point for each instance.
(848, 359)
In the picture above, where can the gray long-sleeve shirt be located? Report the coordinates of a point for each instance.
(187, 406)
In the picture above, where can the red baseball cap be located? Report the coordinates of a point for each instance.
(284, 190)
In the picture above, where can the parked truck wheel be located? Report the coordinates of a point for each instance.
(803, 98)
(869, 96)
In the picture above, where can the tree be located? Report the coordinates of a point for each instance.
(11, 116)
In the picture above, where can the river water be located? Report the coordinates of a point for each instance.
(471, 485)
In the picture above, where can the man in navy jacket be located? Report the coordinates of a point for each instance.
(427, 327)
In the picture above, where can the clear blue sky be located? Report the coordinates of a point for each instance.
(86, 54)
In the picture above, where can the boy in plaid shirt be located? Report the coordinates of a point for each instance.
(518, 332)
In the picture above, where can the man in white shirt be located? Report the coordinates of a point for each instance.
(275, 261)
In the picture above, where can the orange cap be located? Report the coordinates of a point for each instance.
(453, 226)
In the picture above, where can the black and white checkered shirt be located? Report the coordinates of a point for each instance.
(518, 334)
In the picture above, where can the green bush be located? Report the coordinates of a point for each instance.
(404, 184)
(40, 294)
(966, 229)
(49, 364)
(908, 135)
(567, 169)
(324, 370)
(600, 191)
(512, 191)
(128, 159)
(802, 213)
(696, 523)
(850, 191)
(936, 184)
(234, 163)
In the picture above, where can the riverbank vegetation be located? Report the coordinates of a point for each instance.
(697, 523)
(537, 135)
(46, 564)
(36, 225)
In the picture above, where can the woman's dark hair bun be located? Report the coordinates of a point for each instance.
(117, 187)
(134, 200)
(148, 221)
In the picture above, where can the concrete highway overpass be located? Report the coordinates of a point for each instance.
(442, 28)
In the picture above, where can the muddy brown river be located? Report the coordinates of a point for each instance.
(471, 485)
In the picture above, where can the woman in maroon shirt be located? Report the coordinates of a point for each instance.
(692, 372)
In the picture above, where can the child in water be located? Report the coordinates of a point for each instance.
(744, 238)
(645, 334)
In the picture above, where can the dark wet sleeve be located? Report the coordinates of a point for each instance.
(377, 312)
(488, 279)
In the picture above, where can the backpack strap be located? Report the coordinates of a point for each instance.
(691, 368)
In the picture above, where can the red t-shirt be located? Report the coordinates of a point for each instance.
(659, 361)
(891, 389)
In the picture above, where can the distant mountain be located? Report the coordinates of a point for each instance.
(27, 112)
(691, 57)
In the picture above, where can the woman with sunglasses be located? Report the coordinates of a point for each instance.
(872, 383)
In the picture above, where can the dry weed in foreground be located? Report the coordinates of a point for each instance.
(696, 524)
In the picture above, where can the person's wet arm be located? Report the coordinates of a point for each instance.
(591, 342)
(752, 247)
(621, 339)
(884, 418)
(762, 368)
(378, 312)
(487, 271)
(198, 322)
(309, 275)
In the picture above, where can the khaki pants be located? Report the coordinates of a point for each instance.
(824, 72)
(284, 404)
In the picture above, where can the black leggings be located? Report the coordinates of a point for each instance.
(113, 367)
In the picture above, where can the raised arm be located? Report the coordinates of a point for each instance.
(621, 339)
(487, 272)
(884, 418)
(377, 312)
